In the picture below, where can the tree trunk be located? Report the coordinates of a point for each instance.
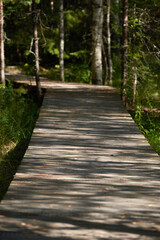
(2, 44)
(61, 49)
(117, 35)
(125, 49)
(105, 63)
(134, 68)
(134, 85)
(109, 42)
(97, 42)
(36, 49)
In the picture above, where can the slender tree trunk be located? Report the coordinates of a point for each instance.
(2, 44)
(109, 41)
(134, 85)
(61, 48)
(105, 63)
(118, 37)
(97, 42)
(125, 49)
(135, 80)
(36, 49)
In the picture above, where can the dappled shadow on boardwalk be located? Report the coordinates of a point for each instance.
(88, 174)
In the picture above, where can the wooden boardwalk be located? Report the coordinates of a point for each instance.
(88, 173)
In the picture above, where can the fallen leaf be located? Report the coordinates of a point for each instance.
(23, 224)
(134, 223)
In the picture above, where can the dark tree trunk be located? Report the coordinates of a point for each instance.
(2, 44)
(36, 47)
(125, 49)
(117, 35)
(134, 68)
(61, 48)
(105, 62)
(109, 41)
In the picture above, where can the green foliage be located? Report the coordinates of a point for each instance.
(74, 17)
(17, 116)
(28, 69)
(80, 55)
(117, 77)
(51, 73)
(78, 73)
(148, 122)
(18, 113)
(52, 46)
(143, 56)
(138, 117)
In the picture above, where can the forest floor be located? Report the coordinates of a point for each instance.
(88, 172)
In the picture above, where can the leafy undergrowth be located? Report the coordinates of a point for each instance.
(19, 110)
(79, 73)
(148, 122)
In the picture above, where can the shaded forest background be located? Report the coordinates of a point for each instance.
(143, 42)
(143, 70)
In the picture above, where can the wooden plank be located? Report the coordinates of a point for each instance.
(88, 173)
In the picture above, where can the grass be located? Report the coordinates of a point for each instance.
(148, 122)
(19, 110)
(146, 112)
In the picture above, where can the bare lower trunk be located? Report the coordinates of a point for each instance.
(125, 49)
(117, 36)
(2, 44)
(36, 50)
(97, 42)
(105, 64)
(134, 85)
(61, 49)
(109, 42)
(134, 67)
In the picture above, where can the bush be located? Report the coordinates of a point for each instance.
(17, 116)
(18, 113)
(148, 122)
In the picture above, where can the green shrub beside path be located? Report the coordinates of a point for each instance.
(18, 113)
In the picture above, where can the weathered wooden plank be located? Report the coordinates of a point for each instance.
(88, 173)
